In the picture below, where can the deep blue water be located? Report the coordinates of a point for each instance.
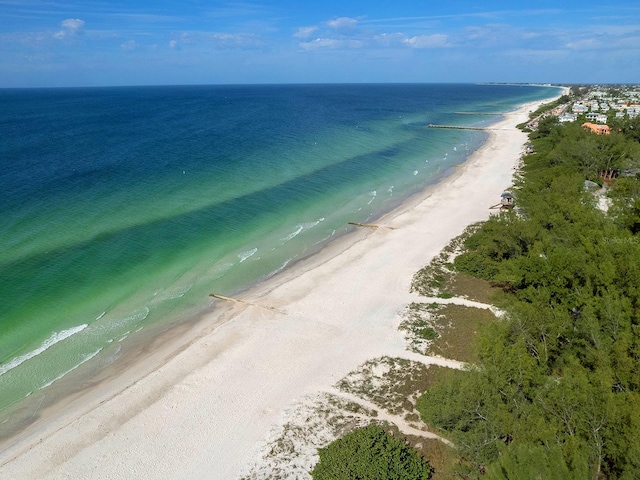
(123, 208)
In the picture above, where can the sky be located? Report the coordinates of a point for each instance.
(55, 43)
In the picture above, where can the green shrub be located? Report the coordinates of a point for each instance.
(370, 454)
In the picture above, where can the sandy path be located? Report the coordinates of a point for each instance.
(202, 413)
(461, 301)
(384, 416)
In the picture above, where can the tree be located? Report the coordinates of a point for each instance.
(370, 454)
(533, 462)
(556, 389)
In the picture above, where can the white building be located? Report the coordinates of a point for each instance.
(568, 117)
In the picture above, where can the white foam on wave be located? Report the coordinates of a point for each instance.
(123, 322)
(171, 295)
(299, 229)
(220, 270)
(279, 269)
(325, 238)
(293, 234)
(244, 255)
(134, 317)
(415, 172)
(56, 337)
(373, 197)
(312, 224)
(124, 336)
(83, 361)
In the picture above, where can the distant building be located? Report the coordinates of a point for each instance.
(598, 117)
(598, 129)
(506, 200)
(579, 108)
(568, 117)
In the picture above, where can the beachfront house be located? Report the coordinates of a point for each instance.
(579, 108)
(597, 117)
(597, 129)
(567, 117)
(506, 200)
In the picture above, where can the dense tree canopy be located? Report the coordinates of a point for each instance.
(556, 393)
(370, 454)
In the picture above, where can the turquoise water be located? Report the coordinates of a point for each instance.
(124, 208)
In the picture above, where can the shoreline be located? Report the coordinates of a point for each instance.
(223, 382)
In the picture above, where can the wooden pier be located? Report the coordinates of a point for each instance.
(457, 127)
(370, 225)
(480, 113)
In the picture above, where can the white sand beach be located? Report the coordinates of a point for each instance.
(204, 411)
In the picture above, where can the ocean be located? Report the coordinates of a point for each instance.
(124, 208)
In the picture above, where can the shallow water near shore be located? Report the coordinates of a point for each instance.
(126, 207)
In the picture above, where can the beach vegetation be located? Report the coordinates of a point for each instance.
(554, 391)
(441, 279)
(391, 384)
(370, 453)
(546, 107)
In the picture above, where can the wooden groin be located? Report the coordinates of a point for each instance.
(242, 302)
(370, 225)
(457, 127)
(479, 113)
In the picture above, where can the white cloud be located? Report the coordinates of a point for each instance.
(330, 43)
(428, 41)
(633, 42)
(342, 22)
(70, 28)
(343, 32)
(583, 44)
(390, 39)
(72, 24)
(236, 40)
(305, 32)
(129, 46)
(219, 40)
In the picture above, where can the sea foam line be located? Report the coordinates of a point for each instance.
(299, 228)
(56, 337)
(244, 255)
(84, 360)
(294, 234)
(278, 270)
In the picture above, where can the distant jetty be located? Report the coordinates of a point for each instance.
(479, 113)
(457, 127)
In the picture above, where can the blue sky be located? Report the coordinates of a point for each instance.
(139, 42)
